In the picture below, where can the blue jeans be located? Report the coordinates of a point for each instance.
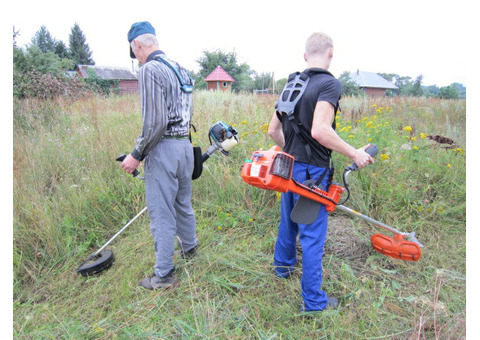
(312, 240)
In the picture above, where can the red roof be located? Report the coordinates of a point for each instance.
(219, 74)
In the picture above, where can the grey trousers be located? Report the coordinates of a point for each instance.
(168, 192)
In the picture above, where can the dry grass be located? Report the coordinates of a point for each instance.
(70, 196)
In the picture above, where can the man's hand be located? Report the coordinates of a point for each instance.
(129, 164)
(361, 158)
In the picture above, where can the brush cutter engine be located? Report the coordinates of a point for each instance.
(224, 139)
(272, 170)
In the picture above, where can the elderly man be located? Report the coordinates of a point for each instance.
(310, 138)
(164, 145)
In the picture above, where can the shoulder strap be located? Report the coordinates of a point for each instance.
(188, 88)
(292, 92)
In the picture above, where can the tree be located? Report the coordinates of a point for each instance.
(61, 50)
(349, 87)
(449, 92)
(431, 90)
(228, 61)
(15, 35)
(280, 84)
(263, 81)
(43, 40)
(79, 50)
(33, 59)
(413, 89)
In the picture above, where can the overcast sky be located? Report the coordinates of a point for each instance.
(407, 37)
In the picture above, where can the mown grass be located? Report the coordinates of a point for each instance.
(70, 196)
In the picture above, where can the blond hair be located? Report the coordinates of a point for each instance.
(318, 43)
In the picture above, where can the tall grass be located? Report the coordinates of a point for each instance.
(70, 196)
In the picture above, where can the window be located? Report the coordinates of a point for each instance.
(224, 84)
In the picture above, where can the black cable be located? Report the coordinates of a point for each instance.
(345, 183)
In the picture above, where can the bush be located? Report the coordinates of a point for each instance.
(47, 86)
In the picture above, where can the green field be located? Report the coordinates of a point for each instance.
(70, 197)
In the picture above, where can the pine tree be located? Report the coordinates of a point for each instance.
(79, 50)
(43, 39)
(61, 50)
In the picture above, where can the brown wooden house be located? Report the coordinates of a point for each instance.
(127, 80)
(219, 79)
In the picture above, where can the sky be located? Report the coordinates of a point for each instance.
(408, 38)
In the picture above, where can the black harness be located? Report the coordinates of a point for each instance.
(291, 94)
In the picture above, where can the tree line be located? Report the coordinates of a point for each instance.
(41, 70)
(407, 87)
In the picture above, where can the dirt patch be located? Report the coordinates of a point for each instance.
(443, 142)
(343, 240)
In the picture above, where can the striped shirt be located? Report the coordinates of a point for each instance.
(166, 109)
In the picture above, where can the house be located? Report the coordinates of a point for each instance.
(127, 80)
(372, 84)
(219, 79)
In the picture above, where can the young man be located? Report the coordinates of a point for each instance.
(168, 154)
(316, 112)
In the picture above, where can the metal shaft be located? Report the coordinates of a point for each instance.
(120, 231)
(369, 219)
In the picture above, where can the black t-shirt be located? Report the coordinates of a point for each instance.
(321, 87)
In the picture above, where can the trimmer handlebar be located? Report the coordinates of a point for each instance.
(372, 150)
(121, 158)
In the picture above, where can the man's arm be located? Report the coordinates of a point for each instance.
(323, 133)
(275, 131)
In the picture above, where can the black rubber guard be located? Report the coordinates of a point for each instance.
(97, 263)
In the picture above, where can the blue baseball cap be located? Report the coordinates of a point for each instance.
(137, 29)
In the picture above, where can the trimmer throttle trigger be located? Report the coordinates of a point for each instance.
(121, 158)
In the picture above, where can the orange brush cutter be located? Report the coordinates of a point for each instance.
(272, 170)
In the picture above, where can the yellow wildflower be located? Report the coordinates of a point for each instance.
(264, 128)
(383, 157)
(407, 128)
(423, 135)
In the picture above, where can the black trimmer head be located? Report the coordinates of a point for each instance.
(97, 263)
